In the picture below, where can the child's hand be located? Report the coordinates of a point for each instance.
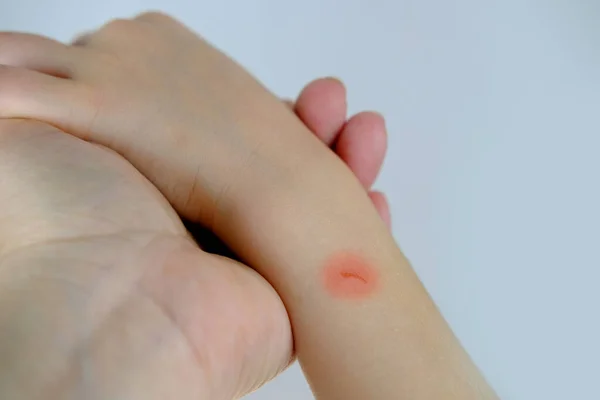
(360, 141)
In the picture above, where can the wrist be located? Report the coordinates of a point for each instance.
(303, 220)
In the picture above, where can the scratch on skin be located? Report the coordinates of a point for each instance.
(354, 275)
(349, 276)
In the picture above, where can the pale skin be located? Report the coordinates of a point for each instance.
(226, 153)
(110, 209)
(96, 204)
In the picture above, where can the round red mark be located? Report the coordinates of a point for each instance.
(349, 276)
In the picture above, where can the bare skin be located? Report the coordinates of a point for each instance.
(228, 154)
(103, 294)
(360, 141)
(80, 244)
(113, 210)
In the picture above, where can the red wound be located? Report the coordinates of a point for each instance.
(349, 276)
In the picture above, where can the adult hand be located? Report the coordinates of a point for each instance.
(104, 295)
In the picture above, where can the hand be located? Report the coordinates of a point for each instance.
(103, 295)
(175, 90)
(77, 178)
(197, 192)
(227, 153)
(360, 141)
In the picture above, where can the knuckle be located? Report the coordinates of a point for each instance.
(120, 27)
(156, 16)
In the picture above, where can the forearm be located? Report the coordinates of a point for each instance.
(392, 345)
(364, 326)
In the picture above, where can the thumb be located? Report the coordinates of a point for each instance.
(234, 321)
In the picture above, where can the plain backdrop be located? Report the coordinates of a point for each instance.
(493, 109)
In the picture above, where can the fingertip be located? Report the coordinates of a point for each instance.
(374, 123)
(322, 107)
(362, 145)
(328, 84)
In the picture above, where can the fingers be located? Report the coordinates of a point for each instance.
(383, 208)
(33, 95)
(362, 145)
(322, 107)
(38, 53)
(37, 81)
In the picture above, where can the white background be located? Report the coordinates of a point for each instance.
(493, 173)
